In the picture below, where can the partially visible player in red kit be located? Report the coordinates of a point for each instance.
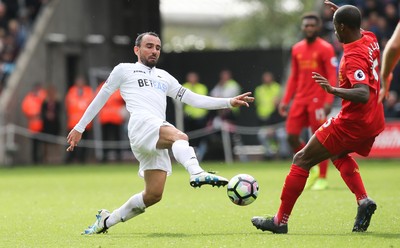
(311, 104)
(353, 130)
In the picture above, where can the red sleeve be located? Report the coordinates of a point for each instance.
(357, 70)
(331, 63)
(291, 84)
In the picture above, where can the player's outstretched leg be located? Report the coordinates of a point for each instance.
(364, 214)
(186, 156)
(99, 226)
(268, 224)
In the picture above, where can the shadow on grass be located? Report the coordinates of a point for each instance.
(175, 235)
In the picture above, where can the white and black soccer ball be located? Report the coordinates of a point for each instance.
(242, 189)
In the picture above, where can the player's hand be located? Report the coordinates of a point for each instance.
(323, 82)
(384, 92)
(242, 100)
(283, 109)
(73, 139)
(333, 6)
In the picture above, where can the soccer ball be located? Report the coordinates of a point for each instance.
(242, 189)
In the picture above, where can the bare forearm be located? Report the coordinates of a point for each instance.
(391, 53)
(358, 95)
(389, 60)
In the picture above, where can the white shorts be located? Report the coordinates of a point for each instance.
(144, 133)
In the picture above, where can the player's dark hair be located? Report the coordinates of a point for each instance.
(349, 16)
(311, 15)
(140, 37)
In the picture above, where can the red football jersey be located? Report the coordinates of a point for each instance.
(318, 56)
(360, 65)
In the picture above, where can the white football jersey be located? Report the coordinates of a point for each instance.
(144, 90)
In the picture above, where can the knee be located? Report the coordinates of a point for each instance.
(151, 198)
(300, 159)
(182, 136)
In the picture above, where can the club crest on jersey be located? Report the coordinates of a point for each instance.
(359, 75)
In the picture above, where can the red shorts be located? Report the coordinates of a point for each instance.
(305, 115)
(336, 140)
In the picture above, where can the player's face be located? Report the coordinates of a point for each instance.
(149, 50)
(338, 31)
(309, 26)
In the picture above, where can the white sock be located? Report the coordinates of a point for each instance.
(362, 201)
(186, 156)
(133, 207)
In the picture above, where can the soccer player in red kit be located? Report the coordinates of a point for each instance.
(353, 130)
(311, 104)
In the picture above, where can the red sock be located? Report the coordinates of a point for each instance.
(301, 146)
(294, 185)
(323, 168)
(351, 176)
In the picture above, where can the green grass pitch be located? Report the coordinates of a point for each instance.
(48, 206)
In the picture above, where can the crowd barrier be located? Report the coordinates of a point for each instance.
(387, 144)
(10, 131)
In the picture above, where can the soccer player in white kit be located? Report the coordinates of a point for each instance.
(144, 89)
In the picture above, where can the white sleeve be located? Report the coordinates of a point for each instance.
(92, 110)
(200, 101)
(111, 85)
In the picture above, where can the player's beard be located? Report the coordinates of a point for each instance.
(311, 37)
(149, 63)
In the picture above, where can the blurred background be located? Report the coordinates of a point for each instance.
(54, 55)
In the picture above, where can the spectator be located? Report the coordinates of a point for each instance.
(31, 107)
(12, 8)
(16, 18)
(112, 118)
(196, 118)
(77, 100)
(392, 17)
(3, 16)
(371, 6)
(33, 7)
(227, 87)
(18, 32)
(50, 114)
(268, 97)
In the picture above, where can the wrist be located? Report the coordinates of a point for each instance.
(230, 102)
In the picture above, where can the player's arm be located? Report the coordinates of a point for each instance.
(211, 103)
(94, 107)
(359, 93)
(390, 57)
(291, 86)
(333, 6)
